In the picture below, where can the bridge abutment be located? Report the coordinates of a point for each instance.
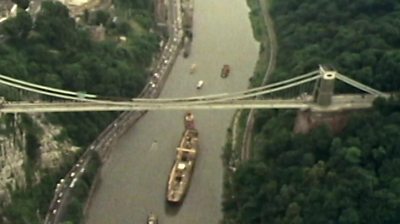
(326, 87)
(308, 120)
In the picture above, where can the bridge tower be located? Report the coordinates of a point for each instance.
(326, 86)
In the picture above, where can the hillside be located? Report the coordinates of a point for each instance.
(56, 50)
(350, 177)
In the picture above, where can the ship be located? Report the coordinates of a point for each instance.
(182, 169)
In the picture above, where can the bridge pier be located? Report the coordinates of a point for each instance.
(326, 87)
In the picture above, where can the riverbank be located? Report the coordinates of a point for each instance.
(238, 148)
(263, 31)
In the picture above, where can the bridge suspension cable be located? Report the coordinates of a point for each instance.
(184, 101)
(70, 95)
(233, 94)
(198, 101)
(66, 92)
(359, 85)
(266, 91)
(62, 96)
(243, 96)
(217, 101)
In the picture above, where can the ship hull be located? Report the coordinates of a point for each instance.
(178, 201)
(182, 169)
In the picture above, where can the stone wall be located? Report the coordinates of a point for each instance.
(307, 120)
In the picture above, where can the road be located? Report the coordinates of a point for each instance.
(271, 44)
(135, 176)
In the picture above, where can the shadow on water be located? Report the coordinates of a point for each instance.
(171, 209)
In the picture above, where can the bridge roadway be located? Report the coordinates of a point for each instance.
(134, 177)
(349, 101)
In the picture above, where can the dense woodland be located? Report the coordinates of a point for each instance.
(58, 52)
(348, 177)
(359, 38)
(352, 177)
(55, 50)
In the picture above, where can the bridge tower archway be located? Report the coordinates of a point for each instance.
(326, 86)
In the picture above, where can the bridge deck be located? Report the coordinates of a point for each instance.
(349, 101)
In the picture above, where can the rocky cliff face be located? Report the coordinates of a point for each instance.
(13, 153)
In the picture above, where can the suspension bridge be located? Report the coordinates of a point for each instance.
(313, 90)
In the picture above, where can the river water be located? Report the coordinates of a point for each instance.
(135, 176)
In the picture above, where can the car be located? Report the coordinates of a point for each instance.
(58, 187)
(73, 182)
(152, 219)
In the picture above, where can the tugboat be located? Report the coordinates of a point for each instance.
(182, 169)
(225, 71)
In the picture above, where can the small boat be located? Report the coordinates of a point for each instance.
(193, 68)
(225, 71)
(152, 219)
(200, 84)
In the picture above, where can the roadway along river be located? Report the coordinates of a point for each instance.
(135, 176)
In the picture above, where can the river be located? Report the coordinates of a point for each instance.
(135, 176)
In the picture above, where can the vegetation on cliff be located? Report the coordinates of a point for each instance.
(54, 49)
(321, 178)
(351, 177)
(359, 38)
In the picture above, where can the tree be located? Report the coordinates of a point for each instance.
(101, 17)
(53, 51)
(325, 177)
(18, 27)
(293, 214)
(352, 155)
(23, 4)
(349, 216)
